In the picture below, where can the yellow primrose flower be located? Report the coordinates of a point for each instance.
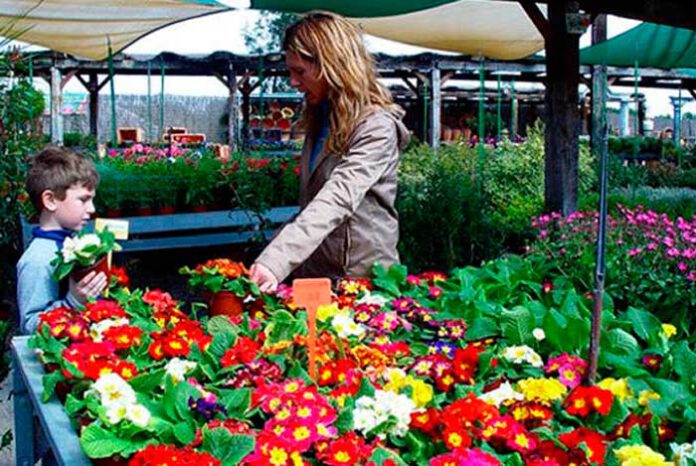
(542, 390)
(396, 380)
(421, 393)
(640, 455)
(670, 330)
(326, 311)
(645, 396)
(619, 387)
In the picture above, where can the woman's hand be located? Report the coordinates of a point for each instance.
(90, 286)
(263, 277)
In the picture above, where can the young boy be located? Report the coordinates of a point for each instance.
(61, 186)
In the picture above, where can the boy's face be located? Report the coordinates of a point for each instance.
(75, 210)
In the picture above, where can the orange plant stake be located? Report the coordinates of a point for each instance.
(311, 293)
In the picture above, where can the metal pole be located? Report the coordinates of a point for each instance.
(162, 99)
(635, 94)
(599, 142)
(149, 101)
(500, 120)
(112, 87)
(481, 126)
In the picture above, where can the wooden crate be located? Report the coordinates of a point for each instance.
(129, 135)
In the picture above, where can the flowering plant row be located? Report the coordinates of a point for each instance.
(485, 366)
(651, 258)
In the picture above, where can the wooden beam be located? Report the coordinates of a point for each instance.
(692, 91)
(410, 85)
(93, 88)
(537, 17)
(83, 81)
(67, 79)
(222, 79)
(103, 83)
(446, 77)
(232, 120)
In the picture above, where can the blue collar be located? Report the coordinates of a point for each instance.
(56, 235)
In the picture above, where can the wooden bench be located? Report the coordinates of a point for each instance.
(190, 230)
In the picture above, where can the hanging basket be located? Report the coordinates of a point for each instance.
(224, 303)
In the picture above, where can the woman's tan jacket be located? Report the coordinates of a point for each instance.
(347, 219)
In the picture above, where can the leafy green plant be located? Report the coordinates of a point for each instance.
(83, 251)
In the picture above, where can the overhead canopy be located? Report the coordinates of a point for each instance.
(84, 28)
(489, 28)
(648, 44)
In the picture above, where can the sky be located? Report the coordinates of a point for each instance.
(224, 31)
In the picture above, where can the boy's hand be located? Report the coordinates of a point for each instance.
(90, 286)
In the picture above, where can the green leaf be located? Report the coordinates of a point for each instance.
(49, 384)
(517, 325)
(184, 432)
(147, 381)
(98, 442)
(684, 362)
(620, 342)
(73, 405)
(236, 402)
(380, 455)
(481, 328)
(646, 325)
(229, 448)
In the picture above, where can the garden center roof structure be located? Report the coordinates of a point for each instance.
(240, 73)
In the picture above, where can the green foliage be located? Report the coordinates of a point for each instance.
(675, 202)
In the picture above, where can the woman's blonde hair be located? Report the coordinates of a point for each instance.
(336, 46)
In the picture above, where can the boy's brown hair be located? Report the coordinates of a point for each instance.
(57, 169)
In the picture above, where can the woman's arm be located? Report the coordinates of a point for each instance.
(372, 150)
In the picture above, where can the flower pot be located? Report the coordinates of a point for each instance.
(199, 208)
(224, 303)
(113, 213)
(166, 210)
(100, 266)
(143, 211)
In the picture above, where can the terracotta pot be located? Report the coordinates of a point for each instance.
(224, 303)
(166, 210)
(446, 134)
(100, 266)
(143, 211)
(113, 213)
(456, 134)
(199, 208)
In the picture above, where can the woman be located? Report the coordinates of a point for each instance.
(354, 133)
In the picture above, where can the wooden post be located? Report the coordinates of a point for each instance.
(93, 104)
(232, 108)
(435, 108)
(561, 144)
(246, 115)
(56, 107)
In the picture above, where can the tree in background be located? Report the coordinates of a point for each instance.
(266, 36)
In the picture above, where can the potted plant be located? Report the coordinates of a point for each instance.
(224, 283)
(83, 254)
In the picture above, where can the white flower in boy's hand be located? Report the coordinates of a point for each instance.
(69, 247)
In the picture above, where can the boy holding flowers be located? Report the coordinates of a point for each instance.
(61, 186)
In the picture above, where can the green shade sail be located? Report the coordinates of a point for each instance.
(352, 8)
(84, 28)
(648, 44)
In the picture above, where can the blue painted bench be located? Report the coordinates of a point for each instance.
(193, 229)
(37, 422)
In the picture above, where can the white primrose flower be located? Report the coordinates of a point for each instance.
(177, 368)
(370, 412)
(345, 326)
(371, 298)
(83, 242)
(113, 390)
(522, 354)
(138, 414)
(115, 413)
(97, 329)
(501, 394)
(69, 248)
(539, 334)
(684, 454)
